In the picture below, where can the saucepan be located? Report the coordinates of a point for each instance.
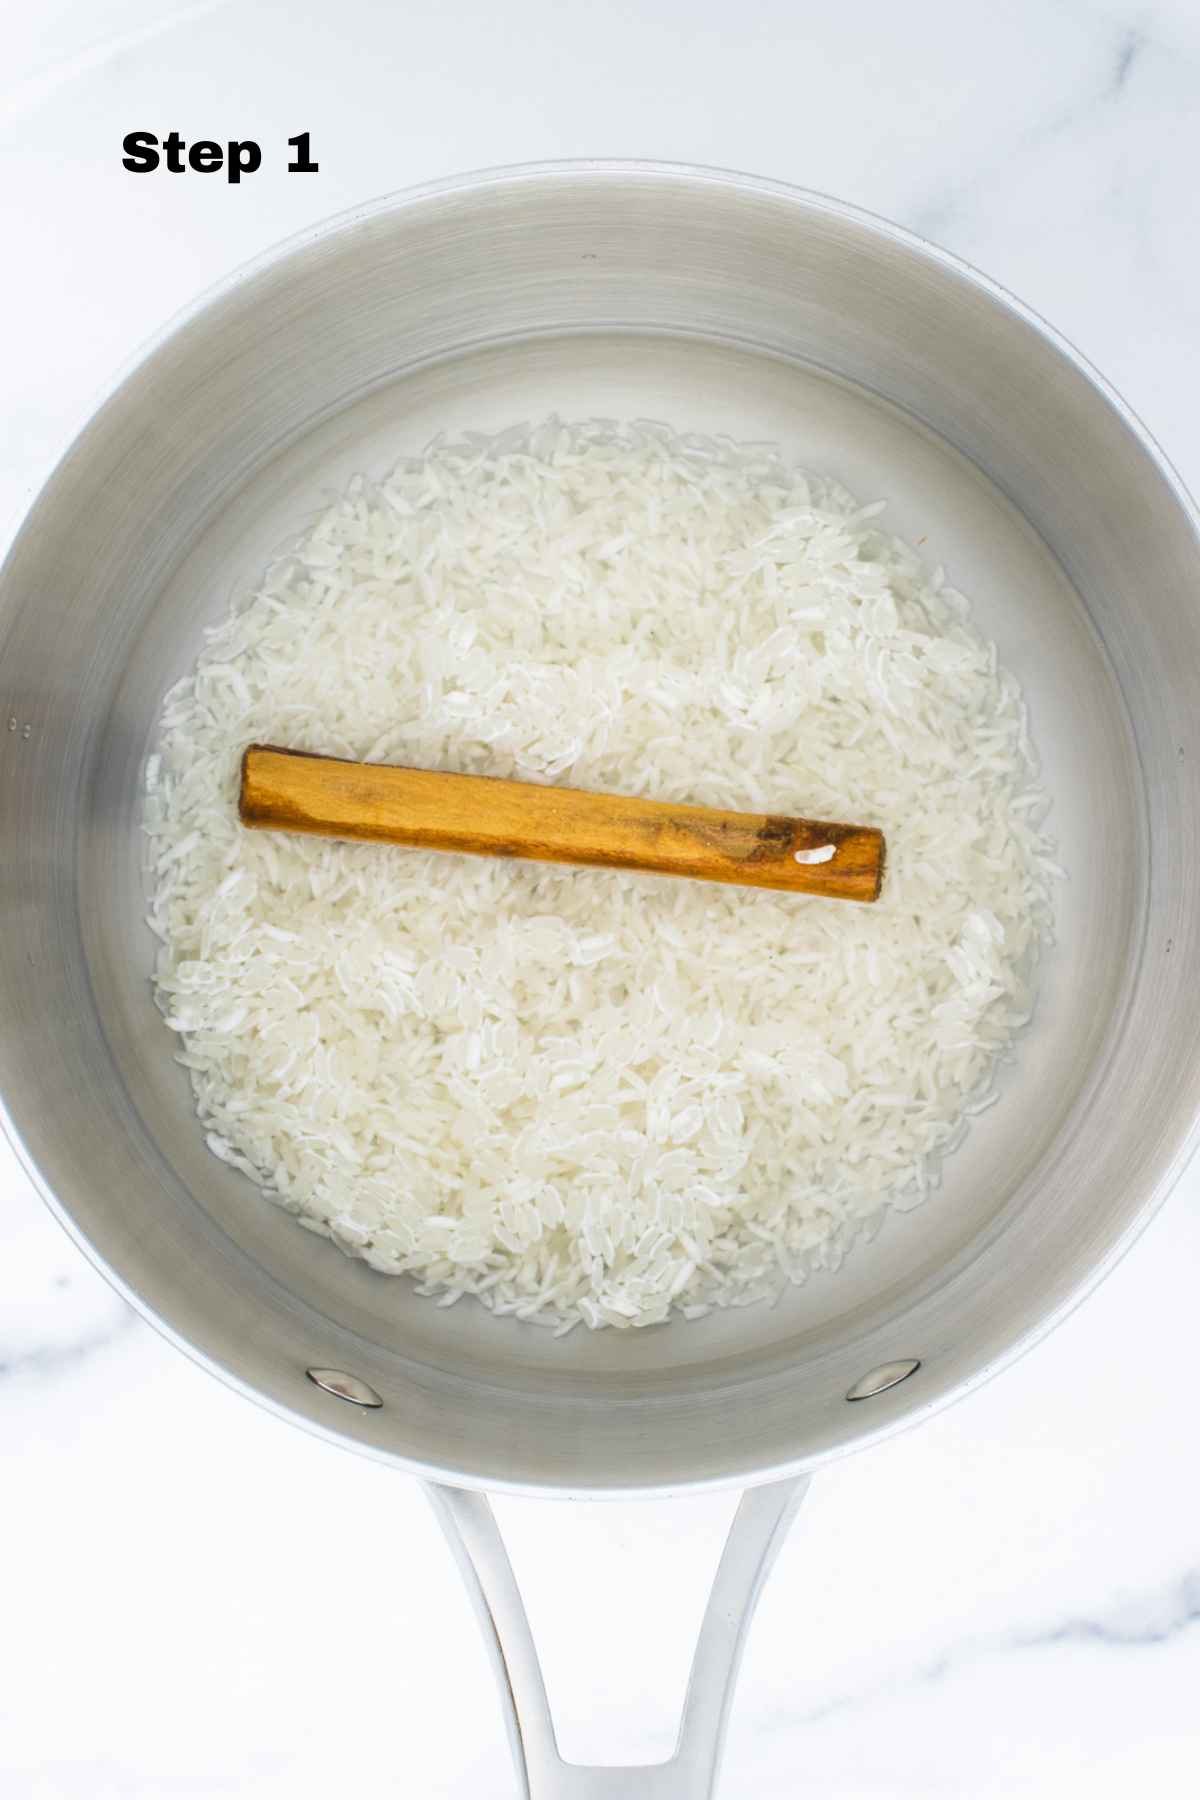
(717, 302)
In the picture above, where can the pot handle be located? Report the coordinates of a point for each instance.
(755, 1536)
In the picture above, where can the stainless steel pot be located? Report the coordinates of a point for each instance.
(719, 302)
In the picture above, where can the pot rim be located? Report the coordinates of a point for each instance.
(804, 201)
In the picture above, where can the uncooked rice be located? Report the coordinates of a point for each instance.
(583, 1094)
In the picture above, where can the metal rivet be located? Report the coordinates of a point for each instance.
(27, 731)
(887, 1375)
(346, 1387)
(12, 724)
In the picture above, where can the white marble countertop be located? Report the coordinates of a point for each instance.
(199, 1601)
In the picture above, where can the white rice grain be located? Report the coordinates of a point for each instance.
(581, 1094)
